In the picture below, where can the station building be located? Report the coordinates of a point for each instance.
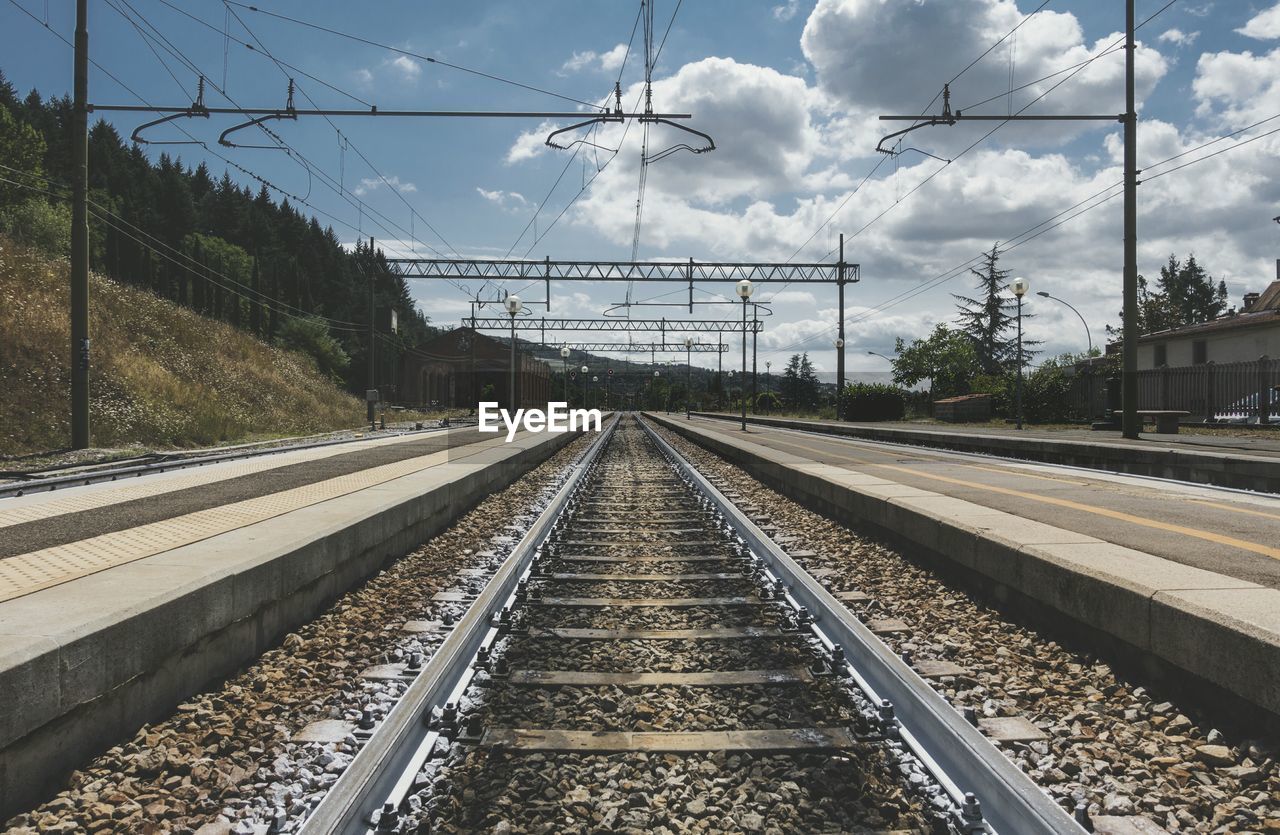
(462, 367)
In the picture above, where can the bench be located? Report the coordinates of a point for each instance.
(1166, 419)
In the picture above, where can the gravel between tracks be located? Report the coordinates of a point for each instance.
(225, 757)
(1124, 747)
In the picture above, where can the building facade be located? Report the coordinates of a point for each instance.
(1240, 336)
(461, 368)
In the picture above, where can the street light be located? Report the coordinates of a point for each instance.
(513, 307)
(564, 355)
(1020, 287)
(585, 403)
(688, 377)
(881, 356)
(1088, 340)
(744, 293)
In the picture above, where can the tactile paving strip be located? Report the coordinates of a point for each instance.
(48, 505)
(27, 573)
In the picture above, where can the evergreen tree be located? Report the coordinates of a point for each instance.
(988, 320)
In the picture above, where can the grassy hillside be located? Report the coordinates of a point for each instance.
(163, 377)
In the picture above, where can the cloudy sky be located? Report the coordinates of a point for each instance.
(791, 92)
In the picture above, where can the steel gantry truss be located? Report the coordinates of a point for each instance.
(679, 271)
(663, 326)
(647, 347)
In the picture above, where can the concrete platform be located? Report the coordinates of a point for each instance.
(87, 660)
(1224, 630)
(1243, 463)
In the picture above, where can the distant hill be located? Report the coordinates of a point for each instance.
(164, 376)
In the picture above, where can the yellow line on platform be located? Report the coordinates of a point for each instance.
(1210, 536)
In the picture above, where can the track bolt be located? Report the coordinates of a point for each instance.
(802, 617)
(482, 659)
(522, 589)
(779, 587)
(389, 819)
(837, 658)
(906, 657)
(818, 667)
(888, 725)
(970, 716)
(449, 719)
(1082, 815)
(415, 661)
(447, 618)
(366, 718)
(971, 809)
(501, 669)
(475, 725)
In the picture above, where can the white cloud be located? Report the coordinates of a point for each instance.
(512, 201)
(364, 76)
(606, 61)
(787, 11)
(530, 144)
(1178, 38)
(408, 68)
(368, 186)
(1264, 25)
(1239, 88)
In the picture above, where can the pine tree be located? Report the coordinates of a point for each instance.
(988, 320)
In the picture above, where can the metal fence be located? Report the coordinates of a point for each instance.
(1229, 392)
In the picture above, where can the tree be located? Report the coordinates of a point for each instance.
(988, 320)
(1186, 295)
(311, 337)
(948, 358)
(800, 383)
(23, 149)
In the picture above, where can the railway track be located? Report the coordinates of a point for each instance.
(647, 656)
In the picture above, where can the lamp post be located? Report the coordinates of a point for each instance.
(513, 307)
(1088, 341)
(688, 377)
(564, 356)
(744, 293)
(839, 344)
(585, 404)
(595, 378)
(1020, 287)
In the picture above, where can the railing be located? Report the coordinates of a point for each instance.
(1229, 392)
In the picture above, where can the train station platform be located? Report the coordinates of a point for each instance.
(1241, 462)
(1185, 575)
(118, 600)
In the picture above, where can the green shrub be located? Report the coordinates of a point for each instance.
(768, 402)
(311, 337)
(39, 223)
(873, 401)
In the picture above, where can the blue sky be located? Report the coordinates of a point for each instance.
(790, 91)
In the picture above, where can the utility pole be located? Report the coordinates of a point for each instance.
(80, 234)
(840, 334)
(1131, 424)
(373, 368)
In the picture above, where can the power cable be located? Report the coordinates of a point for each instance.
(411, 54)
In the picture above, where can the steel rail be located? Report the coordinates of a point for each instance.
(963, 761)
(382, 773)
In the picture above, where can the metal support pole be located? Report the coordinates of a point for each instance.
(719, 366)
(566, 382)
(1131, 425)
(840, 330)
(1019, 394)
(688, 383)
(80, 234)
(755, 323)
(744, 365)
(373, 369)
(511, 394)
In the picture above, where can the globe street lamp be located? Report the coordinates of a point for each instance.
(564, 356)
(688, 377)
(744, 293)
(585, 404)
(1020, 287)
(513, 307)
